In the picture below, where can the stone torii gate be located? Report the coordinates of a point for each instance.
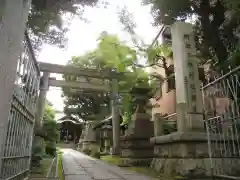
(46, 81)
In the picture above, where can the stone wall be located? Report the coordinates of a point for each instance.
(186, 153)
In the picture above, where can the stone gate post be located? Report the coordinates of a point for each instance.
(13, 17)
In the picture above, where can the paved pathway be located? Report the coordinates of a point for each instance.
(78, 166)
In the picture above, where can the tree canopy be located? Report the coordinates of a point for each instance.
(49, 123)
(110, 53)
(45, 21)
(216, 24)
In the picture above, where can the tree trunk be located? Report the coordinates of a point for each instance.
(115, 120)
(211, 34)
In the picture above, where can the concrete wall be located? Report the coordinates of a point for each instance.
(167, 104)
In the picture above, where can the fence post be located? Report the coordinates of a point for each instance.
(56, 170)
(158, 124)
(13, 17)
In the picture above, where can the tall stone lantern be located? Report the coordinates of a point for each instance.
(106, 131)
(135, 144)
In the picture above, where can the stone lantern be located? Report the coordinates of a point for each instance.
(89, 140)
(106, 130)
(135, 144)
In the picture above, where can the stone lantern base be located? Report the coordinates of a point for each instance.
(88, 145)
(135, 145)
(89, 140)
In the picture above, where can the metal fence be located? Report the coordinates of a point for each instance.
(221, 102)
(51, 174)
(17, 149)
(53, 170)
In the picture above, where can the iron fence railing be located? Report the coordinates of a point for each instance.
(53, 170)
(52, 173)
(222, 120)
(17, 149)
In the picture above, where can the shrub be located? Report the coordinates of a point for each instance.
(60, 166)
(86, 151)
(169, 128)
(96, 154)
(50, 148)
(38, 151)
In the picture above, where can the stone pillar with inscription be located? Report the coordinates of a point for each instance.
(188, 92)
(186, 150)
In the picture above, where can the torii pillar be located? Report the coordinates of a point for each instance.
(13, 18)
(115, 119)
(38, 140)
(44, 86)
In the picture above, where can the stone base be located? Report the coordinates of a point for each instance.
(135, 145)
(107, 150)
(140, 127)
(89, 145)
(79, 146)
(136, 151)
(195, 166)
(184, 153)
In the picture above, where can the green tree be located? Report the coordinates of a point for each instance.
(51, 135)
(45, 21)
(50, 130)
(216, 22)
(154, 53)
(110, 53)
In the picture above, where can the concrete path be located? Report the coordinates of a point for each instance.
(78, 166)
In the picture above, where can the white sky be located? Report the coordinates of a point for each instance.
(82, 36)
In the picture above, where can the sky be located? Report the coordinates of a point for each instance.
(82, 35)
